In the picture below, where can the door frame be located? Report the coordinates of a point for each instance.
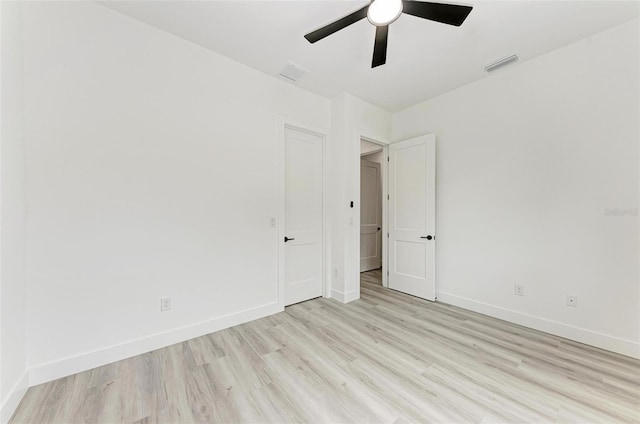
(384, 170)
(284, 123)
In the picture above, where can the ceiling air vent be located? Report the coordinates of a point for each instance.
(501, 62)
(293, 72)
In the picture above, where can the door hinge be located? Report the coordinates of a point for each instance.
(388, 159)
(387, 197)
(387, 235)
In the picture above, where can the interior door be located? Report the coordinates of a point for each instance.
(370, 216)
(412, 242)
(303, 215)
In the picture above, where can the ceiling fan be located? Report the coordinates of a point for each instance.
(381, 13)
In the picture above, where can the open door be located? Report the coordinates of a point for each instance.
(412, 243)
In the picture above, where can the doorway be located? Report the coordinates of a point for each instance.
(373, 158)
(408, 239)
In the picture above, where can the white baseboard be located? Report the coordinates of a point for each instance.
(344, 297)
(14, 397)
(85, 361)
(582, 335)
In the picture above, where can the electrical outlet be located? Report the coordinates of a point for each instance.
(572, 301)
(165, 304)
(518, 289)
(335, 273)
(272, 222)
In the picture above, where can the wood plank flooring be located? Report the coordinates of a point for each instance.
(388, 358)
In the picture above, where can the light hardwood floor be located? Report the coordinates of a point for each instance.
(388, 357)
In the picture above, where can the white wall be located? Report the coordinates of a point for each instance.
(529, 161)
(13, 377)
(151, 171)
(352, 119)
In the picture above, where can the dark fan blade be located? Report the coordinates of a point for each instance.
(336, 26)
(451, 14)
(380, 46)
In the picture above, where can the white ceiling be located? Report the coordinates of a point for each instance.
(424, 58)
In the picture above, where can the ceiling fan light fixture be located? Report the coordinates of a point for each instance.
(381, 13)
(384, 12)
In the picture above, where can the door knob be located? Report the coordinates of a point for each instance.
(286, 239)
(378, 228)
(427, 237)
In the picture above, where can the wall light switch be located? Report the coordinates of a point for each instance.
(165, 304)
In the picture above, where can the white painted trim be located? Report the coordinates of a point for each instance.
(326, 233)
(344, 297)
(283, 123)
(14, 397)
(582, 335)
(385, 217)
(82, 362)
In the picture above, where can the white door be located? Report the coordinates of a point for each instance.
(303, 216)
(412, 185)
(370, 216)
